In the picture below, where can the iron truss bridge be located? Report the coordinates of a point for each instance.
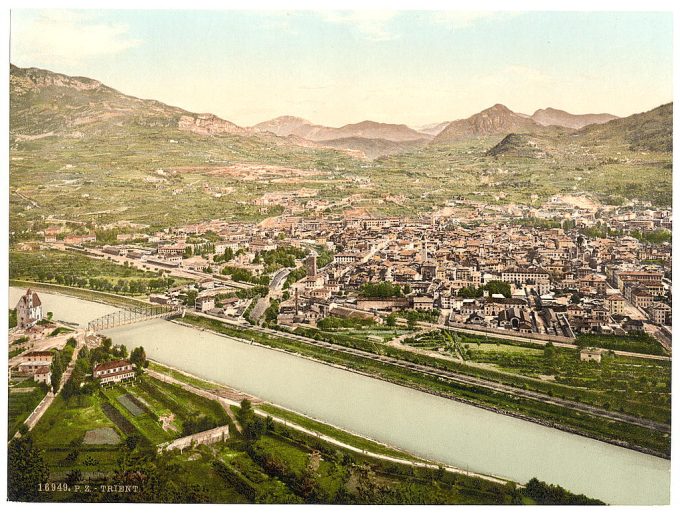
(132, 315)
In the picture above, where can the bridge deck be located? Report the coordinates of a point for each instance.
(131, 316)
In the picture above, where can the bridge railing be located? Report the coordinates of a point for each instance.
(130, 316)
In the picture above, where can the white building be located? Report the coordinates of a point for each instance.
(29, 310)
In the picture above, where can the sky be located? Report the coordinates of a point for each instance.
(339, 67)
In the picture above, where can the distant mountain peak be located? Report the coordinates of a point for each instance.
(495, 120)
(289, 119)
(499, 107)
(366, 129)
(552, 116)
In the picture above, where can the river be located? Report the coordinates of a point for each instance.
(427, 425)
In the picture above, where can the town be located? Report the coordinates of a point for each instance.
(601, 271)
(343, 257)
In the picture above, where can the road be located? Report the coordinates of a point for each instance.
(658, 333)
(260, 307)
(279, 278)
(274, 286)
(469, 380)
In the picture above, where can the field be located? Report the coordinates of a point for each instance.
(22, 404)
(146, 403)
(101, 436)
(643, 343)
(82, 293)
(119, 166)
(129, 410)
(105, 437)
(630, 385)
(65, 422)
(78, 270)
(377, 333)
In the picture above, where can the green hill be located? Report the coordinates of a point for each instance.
(651, 131)
(82, 151)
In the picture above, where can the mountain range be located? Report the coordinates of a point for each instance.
(80, 150)
(44, 104)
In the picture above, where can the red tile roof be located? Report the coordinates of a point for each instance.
(38, 353)
(112, 364)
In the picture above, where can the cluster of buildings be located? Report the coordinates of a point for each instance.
(560, 282)
(587, 274)
(38, 363)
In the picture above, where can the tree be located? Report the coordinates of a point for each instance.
(411, 319)
(84, 353)
(391, 320)
(246, 413)
(57, 371)
(498, 287)
(246, 409)
(191, 298)
(74, 477)
(380, 290)
(549, 351)
(470, 292)
(26, 469)
(138, 357)
(107, 343)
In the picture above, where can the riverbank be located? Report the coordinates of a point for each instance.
(426, 425)
(622, 434)
(110, 299)
(616, 433)
(332, 434)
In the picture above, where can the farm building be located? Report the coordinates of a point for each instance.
(590, 354)
(113, 371)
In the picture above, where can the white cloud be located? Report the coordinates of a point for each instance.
(372, 25)
(65, 37)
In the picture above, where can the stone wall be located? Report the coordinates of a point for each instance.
(218, 434)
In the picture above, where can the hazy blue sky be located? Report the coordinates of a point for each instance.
(335, 67)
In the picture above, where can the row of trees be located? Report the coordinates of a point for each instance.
(60, 360)
(227, 255)
(133, 286)
(544, 493)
